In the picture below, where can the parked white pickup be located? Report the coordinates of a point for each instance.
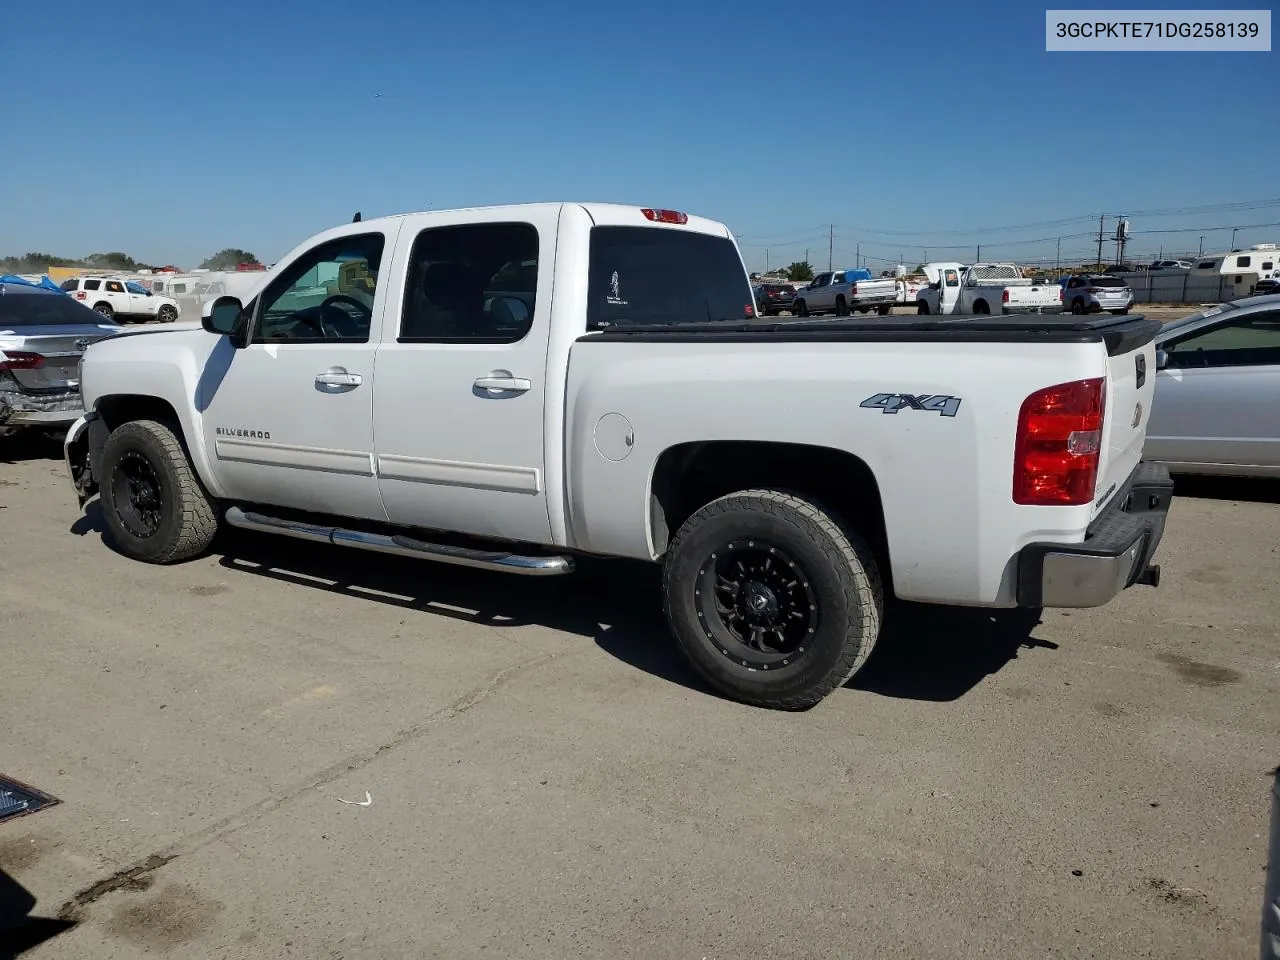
(844, 292)
(985, 288)
(512, 388)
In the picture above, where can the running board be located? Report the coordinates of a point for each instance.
(402, 546)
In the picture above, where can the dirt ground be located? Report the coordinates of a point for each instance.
(546, 779)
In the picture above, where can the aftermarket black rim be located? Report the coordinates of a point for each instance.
(756, 605)
(137, 496)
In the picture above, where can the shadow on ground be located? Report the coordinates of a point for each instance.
(925, 652)
(23, 445)
(19, 931)
(1246, 489)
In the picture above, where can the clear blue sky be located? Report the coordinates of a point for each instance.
(170, 132)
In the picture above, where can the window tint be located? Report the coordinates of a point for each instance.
(178, 288)
(52, 309)
(1268, 265)
(475, 283)
(1250, 340)
(1205, 265)
(1106, 282)
(325, 296)
(92, 284)
(69, 285)
(952, 278)
(655, 275)
(1243, 261)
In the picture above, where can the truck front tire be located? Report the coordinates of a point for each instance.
(774, 602)
(155, 506)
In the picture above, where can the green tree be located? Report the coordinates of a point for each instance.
(228, 259)
(35, 263)
(799, 271)
(112, 261)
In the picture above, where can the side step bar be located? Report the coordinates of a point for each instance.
(402, 546)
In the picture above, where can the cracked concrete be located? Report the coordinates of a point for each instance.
(548, 781)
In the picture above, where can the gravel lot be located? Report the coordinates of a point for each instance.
(547, 780)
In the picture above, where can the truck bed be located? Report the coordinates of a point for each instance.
(1121, 334)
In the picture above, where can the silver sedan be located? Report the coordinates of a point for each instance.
(1217, 398)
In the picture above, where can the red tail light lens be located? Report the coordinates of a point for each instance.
(854, 289)
(20, 360)
(665, 216)
(1004, 296)
(81, 295)
(1059, 444)
(1061, 293)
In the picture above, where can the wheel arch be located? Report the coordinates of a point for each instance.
(687, 476)
(115, 409)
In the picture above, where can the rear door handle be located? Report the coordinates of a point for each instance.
(338, 377)
(504, 384)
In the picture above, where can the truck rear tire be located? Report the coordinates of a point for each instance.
(884, 309)
(922, 308)
(842, 308)
(156, 508)
(801, 309)
(773, 601)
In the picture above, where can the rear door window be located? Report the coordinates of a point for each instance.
(653, 275)
(92, 284)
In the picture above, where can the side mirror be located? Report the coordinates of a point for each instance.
(226, 318)
(1162, 359)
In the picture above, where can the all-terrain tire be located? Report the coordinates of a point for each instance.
(837, 572)
(167, 314)
(104, 309)
(187, 521)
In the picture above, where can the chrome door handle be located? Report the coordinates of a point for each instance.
(504, 384)
(338, 377)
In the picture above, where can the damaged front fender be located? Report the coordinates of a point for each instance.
(77, 454)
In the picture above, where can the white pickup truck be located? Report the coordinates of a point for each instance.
(844, 292)
(513, 387)
(985, 288)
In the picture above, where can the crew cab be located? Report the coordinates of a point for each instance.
(843, 292)
(118, 297)
(514, 388)
(985, 288)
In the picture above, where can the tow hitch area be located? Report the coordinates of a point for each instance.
(18, 800)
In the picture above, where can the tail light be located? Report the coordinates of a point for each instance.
(20, 360)
(1061, 294)
(1059, 444)
(1004, 296)
(665, 216)
(854, 289)
(81, 295)
(1094, 290)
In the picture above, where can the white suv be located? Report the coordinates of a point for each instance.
(117, 298)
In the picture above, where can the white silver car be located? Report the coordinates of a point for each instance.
(1217, 401)
(1095, 292)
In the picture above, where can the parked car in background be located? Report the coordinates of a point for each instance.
(43, 335)
(117, 297)
(1218, 391)
(843, 292)
(1170, 265)
(985, 288)
(1266, 287)
(1095, 292)
(773, 298)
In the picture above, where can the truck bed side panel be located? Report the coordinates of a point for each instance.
(945, 481)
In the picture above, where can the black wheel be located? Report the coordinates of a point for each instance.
(922, 308)
(1077, 306)
(155, 506)
(104, 309)
(884, 309)
(167, 314)
(842, 308)
(1120, 312)
(772, 600)
(801, 309)
(981, 307)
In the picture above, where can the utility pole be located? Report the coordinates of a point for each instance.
(1201, 253)
(806, 254)
(766, 259)
(978, 257)
(1233, 237)
(1057, 260)
(1101, 218)
(831, 240)
(857, 257)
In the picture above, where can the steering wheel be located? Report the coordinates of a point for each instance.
(366, 313)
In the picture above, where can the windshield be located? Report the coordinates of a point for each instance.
(1106, 282)
(44, 310)
(135, 288)
(653, 275)
(1202, 315)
